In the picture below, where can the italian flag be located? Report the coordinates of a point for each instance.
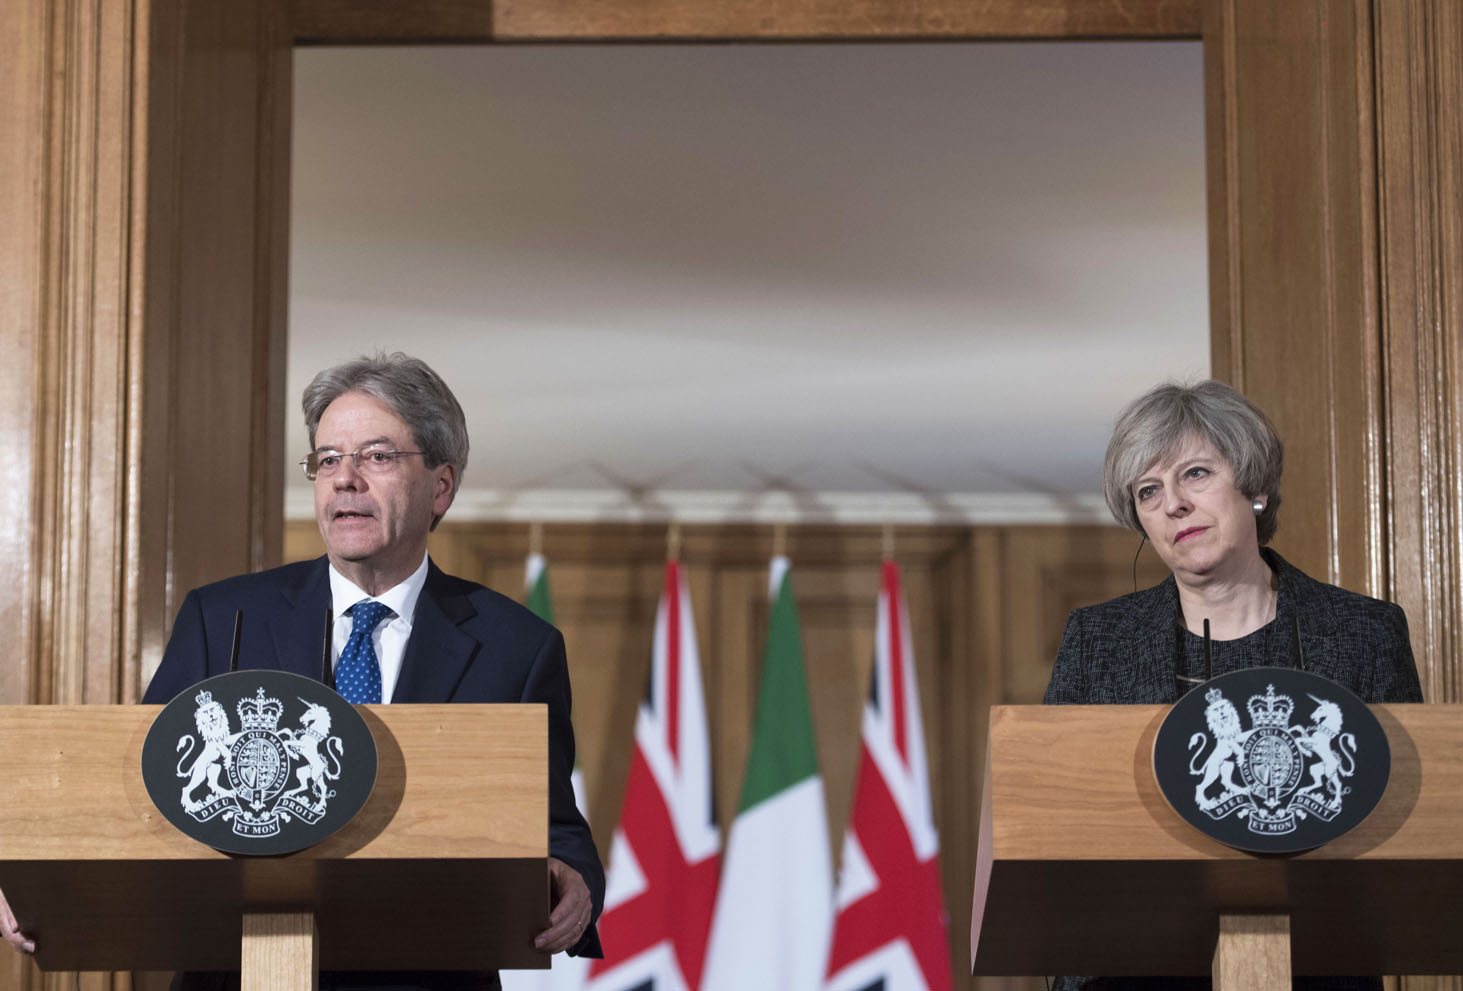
(536, 585)
(540, 603)
(567, 973)
(774, 910)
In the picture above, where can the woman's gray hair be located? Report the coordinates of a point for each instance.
(415, 393)
(1155, 427)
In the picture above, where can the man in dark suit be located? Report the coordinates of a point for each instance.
(388, 446)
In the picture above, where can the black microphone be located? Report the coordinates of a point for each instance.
(1184, 682)
(327, 672)
(234, 652)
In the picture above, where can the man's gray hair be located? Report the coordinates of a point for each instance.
(1154, 428)
(415, 393)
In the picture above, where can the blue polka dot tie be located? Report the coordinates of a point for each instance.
(358, 675)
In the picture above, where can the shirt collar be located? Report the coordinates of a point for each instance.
(400, 598)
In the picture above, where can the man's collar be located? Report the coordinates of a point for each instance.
(400, 598)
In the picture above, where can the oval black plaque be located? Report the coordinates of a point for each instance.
(259, 762)
(1272, 760)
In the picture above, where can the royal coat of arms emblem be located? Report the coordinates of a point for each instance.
(290, 765)
(1312, 762)
(259, 762)
(1271, 758)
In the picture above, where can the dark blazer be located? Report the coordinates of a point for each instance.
(1123, 652)
(468, 644)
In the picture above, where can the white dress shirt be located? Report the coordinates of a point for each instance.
(390, 637)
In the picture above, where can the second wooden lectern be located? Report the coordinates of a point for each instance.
(445, 868)
(1084, 869)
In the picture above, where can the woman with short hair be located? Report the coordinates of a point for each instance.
(1196, 470)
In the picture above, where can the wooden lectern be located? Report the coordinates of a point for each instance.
(445, 868)
(1084, 869)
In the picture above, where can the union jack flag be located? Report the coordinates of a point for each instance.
(890, 930)
(666, 853)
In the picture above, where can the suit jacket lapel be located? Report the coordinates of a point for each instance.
(438, 652)
(298, 632)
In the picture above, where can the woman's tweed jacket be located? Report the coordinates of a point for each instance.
(1123, 651)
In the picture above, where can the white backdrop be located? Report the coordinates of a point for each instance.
(896, 279)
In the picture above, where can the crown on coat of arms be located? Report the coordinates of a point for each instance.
(1270, 710)
(203, 698)
(1213, 695)
(260, 712)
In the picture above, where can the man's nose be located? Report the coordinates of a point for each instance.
(347, 477)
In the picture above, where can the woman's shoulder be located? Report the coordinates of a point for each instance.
(1128, 614)
(1351, 638)
(1343, 605)
(1112, 652)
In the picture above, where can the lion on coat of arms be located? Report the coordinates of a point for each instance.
(1224, 759)
(213, 728)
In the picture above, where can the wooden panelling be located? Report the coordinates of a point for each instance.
(67, 306)
(462, 21)
(146, 308)
(1335, 150)
(987, 608)
(25, 76)
(210, 334)
(66, 216)
(1419, 92)
(1293, 282)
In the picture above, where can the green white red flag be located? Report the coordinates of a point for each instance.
(566, 973)
(774, 909)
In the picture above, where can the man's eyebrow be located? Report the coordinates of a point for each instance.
(365, 444)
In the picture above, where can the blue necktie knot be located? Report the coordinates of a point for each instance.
(358, 674)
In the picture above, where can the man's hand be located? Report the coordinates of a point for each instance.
(569, 916)
(10, 929)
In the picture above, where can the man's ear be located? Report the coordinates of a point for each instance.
(444, 489)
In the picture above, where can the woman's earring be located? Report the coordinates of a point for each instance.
(1259, 506)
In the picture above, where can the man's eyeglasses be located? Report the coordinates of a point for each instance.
(371, 461)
